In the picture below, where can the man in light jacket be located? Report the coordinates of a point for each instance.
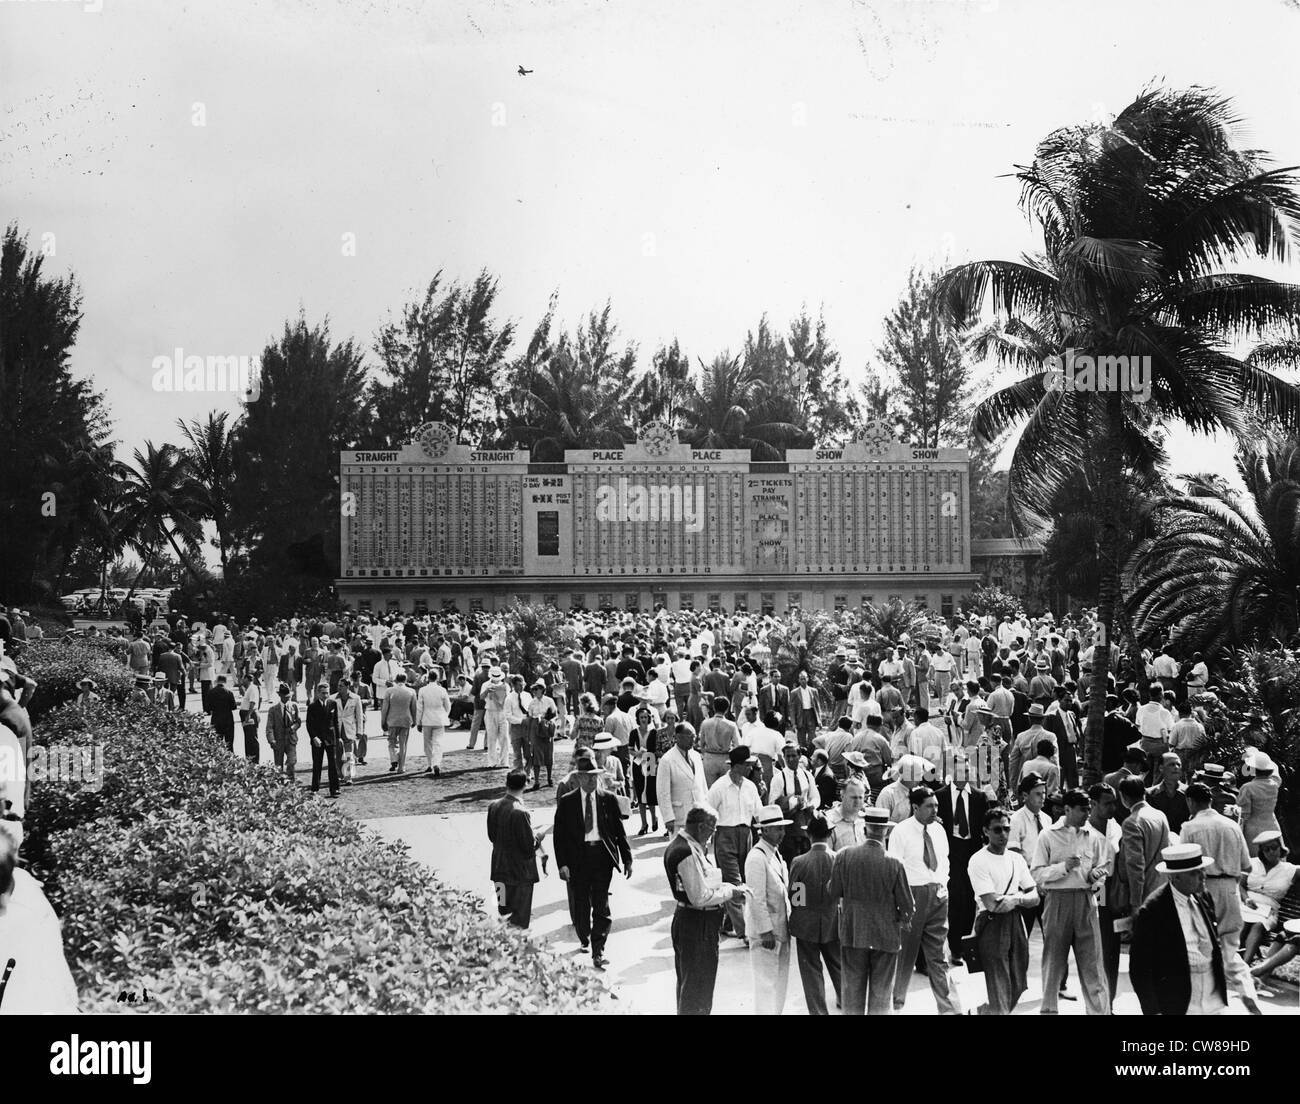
(396, 716)
(767, 913)
(432, 715)
(679, 780)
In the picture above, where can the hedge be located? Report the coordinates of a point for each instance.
(58, 667)
(218, 887)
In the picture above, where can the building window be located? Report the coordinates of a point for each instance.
(421, 606)
(476, 605)
(946, 605)
(895, 597)
(523, 598)
(394, 606)
(548, 532)
(741, 604)
(794, 600)
(605, 601)
(632, 601)
(868, 599)
(997, 580)
(686, 601)
(767, 603)
(659, 599)
(715, 602)
(577, 601)
(922, 600)
(449, 605)
(364, 605)
(841, 602)
(551, 599)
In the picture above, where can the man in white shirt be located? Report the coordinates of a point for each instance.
(794, 791)
(737, 803)
(920, 843)
(1029, 820)
(249, 700)
(1155, 723)
(767, 913)
(1199, 675)
(383, 674)
(942, 665)
(765, 742)
(681, 673)
(658, 693)
(847, 829)
(36, 975)
(1071, 860)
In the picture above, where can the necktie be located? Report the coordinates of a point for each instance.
(795, 772)
(591, 821)
(963, 826)
(930, 861)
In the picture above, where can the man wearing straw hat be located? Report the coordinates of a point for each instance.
(767, 913)
(737, 803)
(1175, 961)
(876, 905)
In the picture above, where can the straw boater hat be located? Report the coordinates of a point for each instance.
(1182, 858)
(874, 815)
(160, 677)
(1263, 765)
(1213, 772)
(1037, 710)
(769, 816)
(604, 742)
(496, 676)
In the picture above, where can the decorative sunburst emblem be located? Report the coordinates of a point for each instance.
(876, 437)
(657, 438)
(435, 438)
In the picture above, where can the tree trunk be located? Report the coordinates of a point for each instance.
(180, 556)
(1111, 471)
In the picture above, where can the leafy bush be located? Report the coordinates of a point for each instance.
(991, 601)
(879, 627)
(218, 887)
(532, 635)
(58, 667)
(805, 641)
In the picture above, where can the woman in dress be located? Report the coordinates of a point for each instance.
(643, 742)
(588, 725)
(695, 698)
(1269, 881)
(1258, 801)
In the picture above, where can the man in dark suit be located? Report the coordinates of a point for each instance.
(961, 811)
(282, 724)
(815, 918)
(877, 905)
(805, 712)
(774, 698)
(1175, 962)
(222, 705)
(593, 678)
(514, 851)
(590, 845)
(1145, 836)
(323, 731)
(572, 668)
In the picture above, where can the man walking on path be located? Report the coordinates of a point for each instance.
(514, 852)
(814, 919)
(876, 905)
(397, 715)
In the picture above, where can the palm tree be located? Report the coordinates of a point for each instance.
(573, 395)
(212, 461)
(730, 408)
(161, 503)
(1225, 568)
(1137, 219)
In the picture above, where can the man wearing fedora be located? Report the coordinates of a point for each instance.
(737, 802)
(514, 852)
(1175, 960)
(1026, 743)
(814, 918)
(767, 913)
(795, 792)
(590, 845)
(876, 905)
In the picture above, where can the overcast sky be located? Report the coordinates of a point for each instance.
(695, 163)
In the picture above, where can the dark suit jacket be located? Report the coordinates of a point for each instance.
(593, 678)
(514, 859)
(976, 805)
(773, 698)
(569, 830)
(878, 902)
(814, 913)
(1158, 955)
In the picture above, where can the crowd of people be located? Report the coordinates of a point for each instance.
(872, 814)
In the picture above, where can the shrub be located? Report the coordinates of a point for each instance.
(218, 887)
(57, 667)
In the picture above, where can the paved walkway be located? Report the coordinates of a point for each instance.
(640, 946)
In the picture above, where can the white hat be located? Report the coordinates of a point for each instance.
(1183, 857)
(769, 816)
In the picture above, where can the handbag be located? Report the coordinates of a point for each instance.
(969, 950)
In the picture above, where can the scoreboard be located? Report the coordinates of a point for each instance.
(656, 507)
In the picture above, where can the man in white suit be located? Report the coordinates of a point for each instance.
(767, 913)
(432, 715)
(679, 780)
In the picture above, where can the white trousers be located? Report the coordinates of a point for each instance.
(771, 977)
(433, 744)
(497, 739)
